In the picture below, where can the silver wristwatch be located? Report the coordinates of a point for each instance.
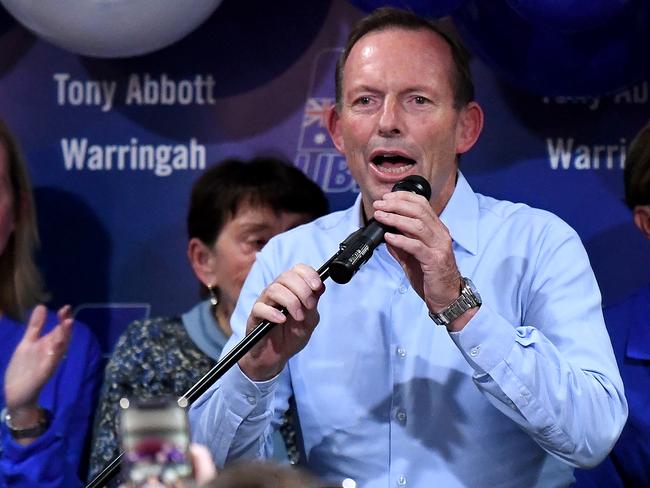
(42, 424)
(469, 298)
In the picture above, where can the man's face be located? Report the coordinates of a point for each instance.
(397, 116)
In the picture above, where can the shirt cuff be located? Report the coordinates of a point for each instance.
(245, 397)
(486, 340)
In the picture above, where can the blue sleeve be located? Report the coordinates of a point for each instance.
(628, 464)
(236, 417)
(54, 459)
(555, 375)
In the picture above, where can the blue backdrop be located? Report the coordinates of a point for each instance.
(115, 144)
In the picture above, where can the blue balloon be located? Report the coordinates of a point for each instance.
(427, 8)
(549, 61)
(570, 15)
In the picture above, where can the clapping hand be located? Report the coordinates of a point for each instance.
(35, 359)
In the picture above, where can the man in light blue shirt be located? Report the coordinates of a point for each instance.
(519, 383)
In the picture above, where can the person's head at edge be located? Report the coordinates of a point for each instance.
(636, 178)
(21, 285)
(404, 105)
(257, 474)
(235, 208)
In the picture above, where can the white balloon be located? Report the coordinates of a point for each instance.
(111, 28)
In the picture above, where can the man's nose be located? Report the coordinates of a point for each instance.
(390, 119)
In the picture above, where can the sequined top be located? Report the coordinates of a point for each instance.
(154, 357)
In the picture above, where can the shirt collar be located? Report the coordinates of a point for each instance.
(356, 212)
(461, 215)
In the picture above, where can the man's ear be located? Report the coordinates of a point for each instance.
(641, 215)
(333, 126)
(201, 259)
(470, 125)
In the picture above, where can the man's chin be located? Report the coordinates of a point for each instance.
(376, 193)
(381, 188)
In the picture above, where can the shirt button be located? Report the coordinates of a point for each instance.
(402, 289)
(475, 351)
(251, 399)
(401, 352)
(401, 416)
(401, 481)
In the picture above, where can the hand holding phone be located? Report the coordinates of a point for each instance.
(155, 441)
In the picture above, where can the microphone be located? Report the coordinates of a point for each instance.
(359, 246)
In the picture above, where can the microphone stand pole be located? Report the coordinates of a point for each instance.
(219, 369)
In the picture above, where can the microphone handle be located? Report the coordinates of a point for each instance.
(360, 249)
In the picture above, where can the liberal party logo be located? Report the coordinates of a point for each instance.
(316, 155)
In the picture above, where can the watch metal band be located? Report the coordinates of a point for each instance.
(469, 298)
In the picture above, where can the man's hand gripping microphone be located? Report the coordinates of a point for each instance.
(359, 246)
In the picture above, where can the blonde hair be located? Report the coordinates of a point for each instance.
(21, 285)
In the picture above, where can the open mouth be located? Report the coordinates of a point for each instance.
(392, 163)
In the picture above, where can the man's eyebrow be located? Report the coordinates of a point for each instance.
(363, 88)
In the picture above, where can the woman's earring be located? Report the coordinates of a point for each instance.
(214, 299)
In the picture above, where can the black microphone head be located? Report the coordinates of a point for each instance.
(416, 184)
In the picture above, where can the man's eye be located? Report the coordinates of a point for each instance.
(420, 100)
(363, 100)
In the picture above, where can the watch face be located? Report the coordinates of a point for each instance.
(470, 284)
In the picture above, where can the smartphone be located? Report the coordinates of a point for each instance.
(155, 441)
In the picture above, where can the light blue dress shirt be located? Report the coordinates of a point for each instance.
(527, 390)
